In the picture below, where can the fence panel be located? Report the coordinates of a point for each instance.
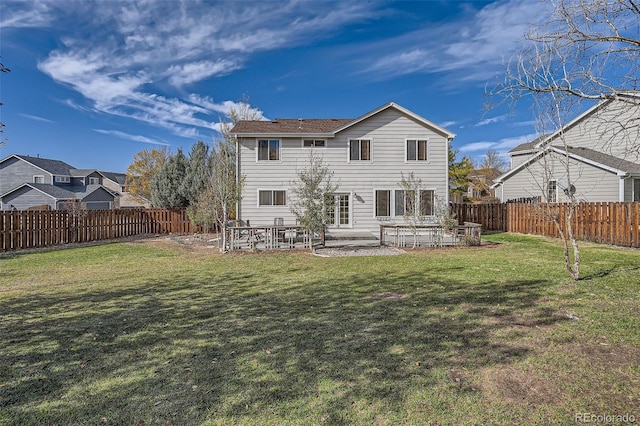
(45, 228)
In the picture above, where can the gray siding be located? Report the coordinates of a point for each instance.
(26, 197)
(592, 184)
(607, 130)
(388, 131)
(14, 172)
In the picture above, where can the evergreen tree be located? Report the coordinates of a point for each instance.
(167, 182)
(196, 174)
(459, 173)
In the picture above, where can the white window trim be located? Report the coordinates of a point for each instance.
(349, 160)
(313, 147)
(61, 179)
(392, 201)
(97, 180)
(279, 160)
(406, 153)
(37, 176)
(269, 206)
(547, 189)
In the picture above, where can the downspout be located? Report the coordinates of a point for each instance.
(238, 174)
(446, 165)
(623, 178)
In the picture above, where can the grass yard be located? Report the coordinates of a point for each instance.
(155, 334)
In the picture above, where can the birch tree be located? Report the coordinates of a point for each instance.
(586, 51)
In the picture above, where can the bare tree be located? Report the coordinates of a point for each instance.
(494, 162)
(586, 51)
(3, 139)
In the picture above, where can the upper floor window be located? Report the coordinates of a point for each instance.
(359, 149)
(272, 198)
(38, 179)
(62, 179)
(94, 181)
(268, 150)
(313, 143)
(417, 150)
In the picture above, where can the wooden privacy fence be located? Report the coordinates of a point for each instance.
(37, 228)
(609, 223)
(492, 217)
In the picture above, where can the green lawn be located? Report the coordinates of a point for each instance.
(133, 334)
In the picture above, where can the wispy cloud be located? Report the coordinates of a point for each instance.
(124, 51)
(502, 145)
(36, 118)
(491, 120)
(474, 47)
(136, 138)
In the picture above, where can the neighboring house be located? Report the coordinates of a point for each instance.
(28, 182)
(116, 183)
(480, 182)
(595, 156)
(367, 156)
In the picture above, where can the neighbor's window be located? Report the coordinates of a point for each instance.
(552, 191)
(313, 143)
(636, 190)
(94, 181)
(62, 179)
(272, 198)
(383, 203)
(268, 150)
(360, 150)
(38, 179)
(417, 150)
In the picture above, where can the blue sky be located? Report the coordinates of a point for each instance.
(92, 83)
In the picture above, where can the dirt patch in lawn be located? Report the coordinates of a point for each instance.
(516, 386)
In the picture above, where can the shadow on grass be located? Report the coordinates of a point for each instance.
(193, 347)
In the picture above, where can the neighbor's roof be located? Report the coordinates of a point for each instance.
(55, 167)
(528, 146)
(585, 155)
(116, 177)
(601, 159)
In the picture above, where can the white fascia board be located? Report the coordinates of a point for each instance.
(590, 162)
(405, 111)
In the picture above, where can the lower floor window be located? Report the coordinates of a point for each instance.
(405, 202)
(272, 198)
(636, 190)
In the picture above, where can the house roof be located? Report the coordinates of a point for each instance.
(60, 193)
(320, 127)
(55, 167)
(53, 191)
(528, 146)
(119, 178)
(600, 159)
(290, 125)
(585, 155)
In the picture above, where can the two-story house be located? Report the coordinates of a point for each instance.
(367, 155)
(28, 182)
(596, 157)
